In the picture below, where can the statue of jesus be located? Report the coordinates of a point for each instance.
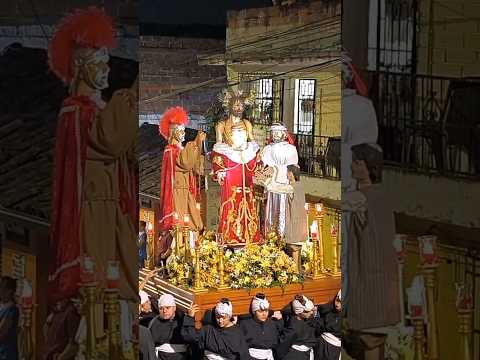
(235, 158)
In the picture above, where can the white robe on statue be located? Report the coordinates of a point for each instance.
(278, 156)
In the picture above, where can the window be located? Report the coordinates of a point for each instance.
(268, 107)
(304, 115)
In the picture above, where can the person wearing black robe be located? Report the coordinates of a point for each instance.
(329, 330)
(222, 341)
(166, 331)
(146, 312)
(299, 332)
(262, 332)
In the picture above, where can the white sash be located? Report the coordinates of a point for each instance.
(171, 348)
(332, 339)
(213, 356)
(304, 348)
(261, 354)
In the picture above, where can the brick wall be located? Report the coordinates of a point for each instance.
(22, 12)
(456, 38)
(169, 65)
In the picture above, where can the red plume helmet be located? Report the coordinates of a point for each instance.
(87, 28)
(176, 115)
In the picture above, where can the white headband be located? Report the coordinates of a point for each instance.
(260, 304)
(298, 308)
(278, 127)
(143, 297)
(224, 309)
(166, 300)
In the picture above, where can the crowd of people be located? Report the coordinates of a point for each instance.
(299, 331)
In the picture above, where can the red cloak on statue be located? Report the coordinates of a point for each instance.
(238, 221)
(74, 123)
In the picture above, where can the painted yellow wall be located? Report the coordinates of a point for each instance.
(456, 38)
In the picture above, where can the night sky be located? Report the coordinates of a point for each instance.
(188, 12)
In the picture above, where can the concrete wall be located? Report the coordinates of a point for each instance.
(456, 38)
(453, 201)
(37, 36)
(169, 65)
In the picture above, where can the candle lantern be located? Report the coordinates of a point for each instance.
(87, 274)
(416, 298)
(428, 250)
(113, 274)
(400, 245)
(464, 299)
(27, 293)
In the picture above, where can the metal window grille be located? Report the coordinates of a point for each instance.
(304, 123)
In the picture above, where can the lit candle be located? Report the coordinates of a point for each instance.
(150, 227)
(198, 206)
(333, 230)
(27, 293)
(314, 230)
(175, 218)
(88, 270)
(186, 220)
(319, 208)
(113, 274)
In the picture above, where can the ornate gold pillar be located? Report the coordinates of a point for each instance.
(465, 317)
(112, 310)
(418, 336)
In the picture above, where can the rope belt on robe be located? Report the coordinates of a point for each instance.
(171, 348)
(213, 356)
(261, 354)
(332, 339)
(304, 348)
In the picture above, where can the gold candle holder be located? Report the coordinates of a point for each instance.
(335, 268)
(221, 270)
(112, 310)
(178, 239)
(429, 274)
(465, 317)
(418, 336)
(197, 286)
(90, 293)
(319, 216)
(186, 237)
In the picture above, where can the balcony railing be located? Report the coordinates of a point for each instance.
(319, 155)
(429, 124)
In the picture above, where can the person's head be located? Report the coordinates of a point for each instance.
(279, 133)
(145, 304)
(143, 225)
(367, 163)
(293, 173)
(234, 101)
(167, 307)
(78, 54)
(260, 307)
(337, 302)
(303, 307)
(173, 123)
(224, 313)
(8, 287)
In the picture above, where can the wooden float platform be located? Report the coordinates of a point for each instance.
(320, 291)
